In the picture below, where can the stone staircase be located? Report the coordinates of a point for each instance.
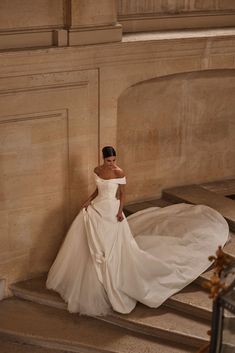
(36, 320)
(178, 326)
(183, 317)
(37, 316)
(163, 330)
(44, 326)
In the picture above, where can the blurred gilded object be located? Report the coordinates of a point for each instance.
(220, 282)
(217, 282)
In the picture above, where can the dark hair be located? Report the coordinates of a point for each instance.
(108, 151)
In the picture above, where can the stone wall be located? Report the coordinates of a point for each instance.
(151, 15)
(190, 140)
(62, 23)
(49, 141)
(48, 23)
(162, 97)
(22, 14)
(127, 7)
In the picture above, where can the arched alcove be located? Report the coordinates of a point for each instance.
(177, 130)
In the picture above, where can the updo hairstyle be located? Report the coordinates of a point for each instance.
(108, 151)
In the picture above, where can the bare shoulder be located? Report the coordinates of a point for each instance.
(97, 170)
(119, 172)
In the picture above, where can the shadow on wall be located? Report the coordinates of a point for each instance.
(176, 130)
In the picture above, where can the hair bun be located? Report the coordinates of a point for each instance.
(108, 151)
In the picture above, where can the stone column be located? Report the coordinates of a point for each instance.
(93, 22)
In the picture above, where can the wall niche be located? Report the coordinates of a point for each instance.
(177, 130)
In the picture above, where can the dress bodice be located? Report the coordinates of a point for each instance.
(107, 188)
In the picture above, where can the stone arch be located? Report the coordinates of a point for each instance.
(175, 130)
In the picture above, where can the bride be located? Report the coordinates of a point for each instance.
(109, 262)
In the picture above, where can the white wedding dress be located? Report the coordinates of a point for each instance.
(104, 264)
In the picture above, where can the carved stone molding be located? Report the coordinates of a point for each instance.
(95, 35)
(57, 23)
(61, 23)
(23, 39)
(26, 24)
(154, 15)
(171, 7)
(156, 22)
(48, 132)
(93, 22)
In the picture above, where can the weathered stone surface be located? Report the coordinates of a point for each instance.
(20, 14)
(191, 125)
(139, 16)
(17, 347)
(54, 328)
(224, 187)
(44, 165)
(126, 7)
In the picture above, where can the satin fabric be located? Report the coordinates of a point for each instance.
(104, 264)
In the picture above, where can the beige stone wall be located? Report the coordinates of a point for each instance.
(177, 130)
(26, 23)
(152, 15)
(23, 14)
(127, 7)
(48, 134)
(61, 23)
(89, 12)
(47, 23)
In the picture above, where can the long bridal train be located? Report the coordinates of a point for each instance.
(104, 264)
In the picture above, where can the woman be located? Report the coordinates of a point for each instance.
(107, 262)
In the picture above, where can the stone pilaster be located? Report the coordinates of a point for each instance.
(93, 22)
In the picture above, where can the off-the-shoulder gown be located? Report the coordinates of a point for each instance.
(104, 264)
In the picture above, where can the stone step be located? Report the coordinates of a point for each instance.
(165, 323)
(17, 347)
(43, 326)
(224, 187)
(192, 300)
(139, 206)
(35, 291)
(196, 194)
(205, 277)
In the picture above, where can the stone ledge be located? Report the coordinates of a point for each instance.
(179, 34)
(188, 20)
(23, 39)
(59, 37)
(223, 187)
(135, 207)
(95, 35)
(148, 48)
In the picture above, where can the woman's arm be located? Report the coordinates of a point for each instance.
(90, 198)
(121, 193)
